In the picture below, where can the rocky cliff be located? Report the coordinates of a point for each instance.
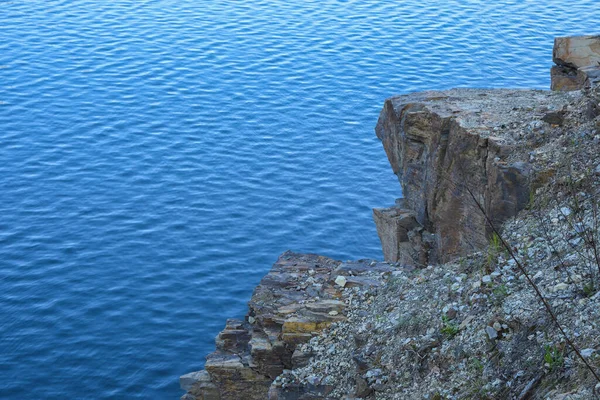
(444, 144)
(440, 318)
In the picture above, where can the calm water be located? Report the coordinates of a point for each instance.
(157, 156)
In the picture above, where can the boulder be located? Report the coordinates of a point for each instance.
(577, 51)
(577, 61)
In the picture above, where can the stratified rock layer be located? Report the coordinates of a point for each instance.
(450, 148)
(295, 301)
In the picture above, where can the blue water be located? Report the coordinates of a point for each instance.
(157, 156)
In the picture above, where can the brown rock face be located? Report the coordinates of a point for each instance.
(577, 61)
(296, 300)
(443, 144)
(576, 51)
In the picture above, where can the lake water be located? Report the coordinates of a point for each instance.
(157, 156)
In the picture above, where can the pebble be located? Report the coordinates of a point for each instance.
(491, 332)
(486, 279)
(566, 211)
(560, 286)
(587, 352)
(340, 281)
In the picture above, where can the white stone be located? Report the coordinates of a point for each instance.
(340, 281)
(486, 279)
(560, 286)
(587, 352)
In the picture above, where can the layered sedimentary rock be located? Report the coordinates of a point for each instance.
(452, 150)
(295, 301)
(577, 61)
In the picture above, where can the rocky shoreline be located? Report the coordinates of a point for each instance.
(447, 315)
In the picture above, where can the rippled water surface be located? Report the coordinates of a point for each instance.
(157, 156)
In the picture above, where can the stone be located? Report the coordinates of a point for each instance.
(188, 380)
(560, 286)
(340, 281)
(486, 279)
(577, 61)
(587, 353)
(300, 358)
(491, 332)
(564, 79)
(393, 227)
(577, 51)
(589, 77)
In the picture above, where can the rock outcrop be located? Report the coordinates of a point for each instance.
(295, 301)
(453, 151)
(577, 60)
(448, 147)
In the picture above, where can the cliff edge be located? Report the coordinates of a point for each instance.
(447, 315)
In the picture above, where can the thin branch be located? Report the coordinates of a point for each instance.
(535, 287)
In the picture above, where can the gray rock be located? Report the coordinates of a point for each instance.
(188, 380)
(587, 352)
(362, 387)
(393, 227)
(491, 332)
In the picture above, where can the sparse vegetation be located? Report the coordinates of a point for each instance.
(553, 358)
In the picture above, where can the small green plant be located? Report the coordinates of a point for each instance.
(449, 328)
(589, 289)
(553, 358)
(477, 365)
(532, 200)
(494, 250)
(500, 292)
